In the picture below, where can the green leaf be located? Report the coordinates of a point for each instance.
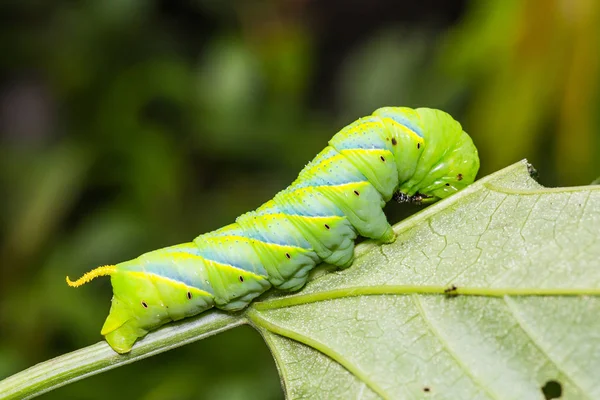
(492, 293)
(379, 330)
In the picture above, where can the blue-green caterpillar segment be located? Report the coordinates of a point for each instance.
(413, 154)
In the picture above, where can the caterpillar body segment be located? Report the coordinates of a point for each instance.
(410, 154)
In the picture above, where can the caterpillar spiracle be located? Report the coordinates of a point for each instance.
(413, 155)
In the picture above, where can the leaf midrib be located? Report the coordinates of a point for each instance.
(382, 290)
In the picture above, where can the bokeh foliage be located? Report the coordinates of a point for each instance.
(128, 125)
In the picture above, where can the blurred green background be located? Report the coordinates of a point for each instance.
(129, 125)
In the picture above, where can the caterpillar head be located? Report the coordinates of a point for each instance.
(449, 160)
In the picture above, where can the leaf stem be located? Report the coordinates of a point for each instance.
(99, 357)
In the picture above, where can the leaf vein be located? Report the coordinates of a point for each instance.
(318, 346)
(436, 332)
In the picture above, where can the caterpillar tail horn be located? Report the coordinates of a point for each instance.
(100, 271)
(120, 330)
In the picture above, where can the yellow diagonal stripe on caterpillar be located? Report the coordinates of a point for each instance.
(180, 285)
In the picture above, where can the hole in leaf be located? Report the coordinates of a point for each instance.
(552, 390)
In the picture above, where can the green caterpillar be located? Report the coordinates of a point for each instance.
(416, 155)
